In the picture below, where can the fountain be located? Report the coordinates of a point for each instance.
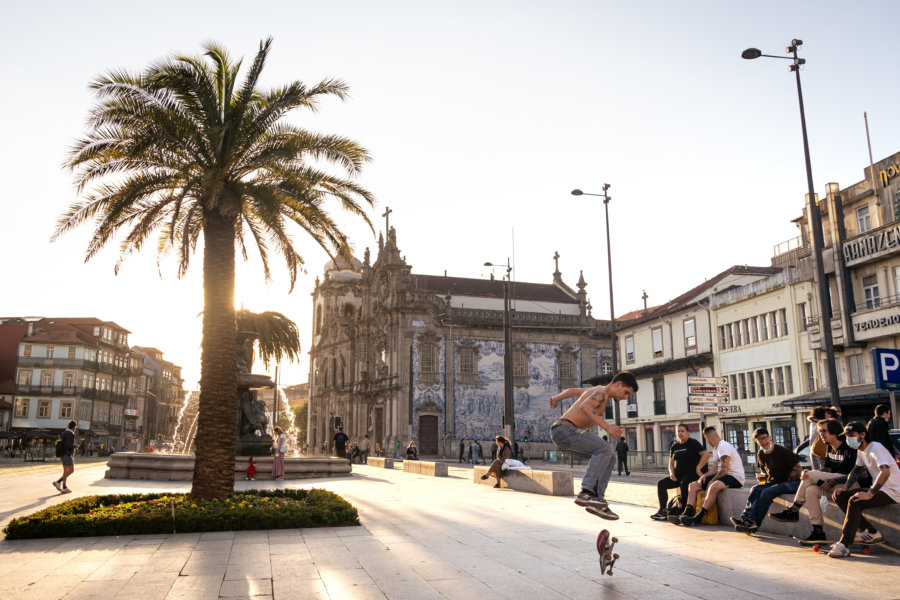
(252, 437)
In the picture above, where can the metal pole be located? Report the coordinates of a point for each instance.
(818, 243)
(509, 419)
(612, 310)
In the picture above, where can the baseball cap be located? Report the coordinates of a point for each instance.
(854, 427)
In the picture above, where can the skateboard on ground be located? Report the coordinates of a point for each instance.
(604, 547)
(824, 545)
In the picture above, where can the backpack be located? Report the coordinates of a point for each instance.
(60, 449)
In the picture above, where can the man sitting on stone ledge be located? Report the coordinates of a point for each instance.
(778, 472)
(880, 464)
(839, 461)
(730, 474)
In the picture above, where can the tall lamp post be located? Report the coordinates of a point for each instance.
(815, 220)
(612, 311)
(509, 416)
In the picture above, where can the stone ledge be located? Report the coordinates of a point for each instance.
(886, 518)
(550, 483)
(174, 467)
(380, 462)
(424, 467)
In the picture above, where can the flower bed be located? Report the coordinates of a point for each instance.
(130, 514)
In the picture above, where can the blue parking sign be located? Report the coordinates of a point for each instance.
(886, 362)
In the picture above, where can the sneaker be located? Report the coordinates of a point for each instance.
(660, 515)
(786, 516)
(817, 535)
(691, 520)
(838, 550)
(57, 485)
(66, 490)
(739, 522)
(604, 512)
(865, 537)
(585, 499)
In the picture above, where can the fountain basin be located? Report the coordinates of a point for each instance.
(180, 467)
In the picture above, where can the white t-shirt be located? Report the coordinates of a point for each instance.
(735, 466)
(875, 455)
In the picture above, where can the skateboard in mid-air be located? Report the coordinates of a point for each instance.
(604, 547)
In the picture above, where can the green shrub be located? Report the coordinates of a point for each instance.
(131, 514)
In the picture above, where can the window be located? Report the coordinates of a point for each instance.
(754, 328)
(774, 322)
(50, 351)
(66, 409)
(69, 380)
(84, 410)
(751, 380)
(428, 364)
(863, 224)
(24, 378)
(629, 349)
(722, 339)
(734, 387)
(761, 380)
(567, 376)
(648, 439)
(26, 349)
(738, 340)
(743, 380)
(779, 377)
(788, 379)
(22, 407)
(631, 406)
(46, 378)
(810, 377)
(784, 327)
(520, 365)
(521, 354)
(656, 335)
(896, 283)
(70, 352)
(770, 378)
(801, 311)
(468, 374)
(115, 415)
(870, 291)
(659, 397)
(44, 409)
(690, 335)
(745, 325)
(856, 365)
(606, 368)
(729, 334)
(764, 327)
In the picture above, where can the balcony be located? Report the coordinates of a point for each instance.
(815, 335)
(47, 390)
(790, 252)
(78, 363)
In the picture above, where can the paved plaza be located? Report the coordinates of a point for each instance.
(425, 538)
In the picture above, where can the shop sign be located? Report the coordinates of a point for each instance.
(876, 243)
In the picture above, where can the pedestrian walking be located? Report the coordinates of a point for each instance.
(474, 450)
(462, 451)
(279, 447)
(364, 449)
(481, 452)
(67, 446)
(469, 453)
(398, 451)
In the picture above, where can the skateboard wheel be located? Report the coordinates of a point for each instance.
(816, 548)
(867, 550)
(615, 557)
(615, 540)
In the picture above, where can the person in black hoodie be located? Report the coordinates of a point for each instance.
(878, 428)
(67, 458)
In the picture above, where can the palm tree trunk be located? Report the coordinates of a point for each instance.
(217, 421)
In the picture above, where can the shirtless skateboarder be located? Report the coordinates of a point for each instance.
(571, 433)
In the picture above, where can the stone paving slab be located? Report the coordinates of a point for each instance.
(427, 538)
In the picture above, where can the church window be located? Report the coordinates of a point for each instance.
(520, 367)
(566, 366)
(429, 373)
(468, 371)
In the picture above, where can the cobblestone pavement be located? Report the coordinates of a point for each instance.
(427, 538)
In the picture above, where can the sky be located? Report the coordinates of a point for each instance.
(481, 117)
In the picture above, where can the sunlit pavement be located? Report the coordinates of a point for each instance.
(424, 538)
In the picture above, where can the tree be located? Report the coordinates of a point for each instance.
(300, 416)
(184, 149)
(279, 337)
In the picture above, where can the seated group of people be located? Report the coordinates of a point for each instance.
(857, 474)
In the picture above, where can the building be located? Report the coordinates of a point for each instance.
(401, 356)
(664, 345)
(158, 395)
(66, 369)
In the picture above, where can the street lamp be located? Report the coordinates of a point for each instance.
(509, 417)
(815, 220)
(612, 311)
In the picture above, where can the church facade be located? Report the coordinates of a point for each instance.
(400, 356)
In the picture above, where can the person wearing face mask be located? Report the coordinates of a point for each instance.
(874, 459)
(778, 472)
(839, 461)
(687, 463)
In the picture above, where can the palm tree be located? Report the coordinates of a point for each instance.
(279, 337)
(184, 148)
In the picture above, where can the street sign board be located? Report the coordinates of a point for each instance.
(695, 380)
(704, 408)
(708, 399)
(720, 390)
(886, 362)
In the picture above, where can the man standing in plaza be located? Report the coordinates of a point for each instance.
(622, 455)
(340, 443)
(67, 458)
(778, 472)
(572, 433)
(364, 449)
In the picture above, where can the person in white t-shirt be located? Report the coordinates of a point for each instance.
(875, 459)
(729, 474)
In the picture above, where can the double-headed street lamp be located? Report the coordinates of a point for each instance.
(815, 220)
(509, 416)
(612, 311)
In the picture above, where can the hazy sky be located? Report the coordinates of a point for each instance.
(481, 117)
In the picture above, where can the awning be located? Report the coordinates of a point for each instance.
(851, 394)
